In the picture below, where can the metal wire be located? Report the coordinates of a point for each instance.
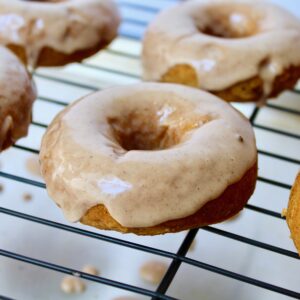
(5, 298)
(83, 275)
(170, 274)
(179, 257)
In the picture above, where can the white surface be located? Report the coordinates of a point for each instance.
(26, 282)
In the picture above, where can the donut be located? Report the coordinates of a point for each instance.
(240, 50)
(55, 33)
(293, 213)
(149, 158)
(17, 96)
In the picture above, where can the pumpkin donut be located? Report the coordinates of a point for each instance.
(240, 50)
(54, 33)
(149, 159)
(17, 96)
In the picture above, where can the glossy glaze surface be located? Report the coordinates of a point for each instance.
(204, 146)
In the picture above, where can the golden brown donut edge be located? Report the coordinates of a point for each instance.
(49, 57)
(232, 201)
(250, 90)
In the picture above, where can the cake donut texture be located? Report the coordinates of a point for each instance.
(149, 158)
(54, 33)
(293, 213)
(17, 96)
(240, 50)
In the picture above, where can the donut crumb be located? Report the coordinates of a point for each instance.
(89, 269)
(72, 285)
(241, 139)
(33, 165)
(153, 271)
(27, 197)
(1, 187)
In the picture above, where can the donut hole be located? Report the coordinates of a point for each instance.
(139, 132)
(229, 21)
(144, 130)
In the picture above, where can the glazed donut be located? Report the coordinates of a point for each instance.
(240, 50)
(149, 159)
(293, 213)
(17, 96)
(54, 33)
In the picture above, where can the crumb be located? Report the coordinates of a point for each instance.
(33, 165)
(193, 245)
(27, 197)
(1, 187)
(284, 213)
(241, 139)
(72, 285)
(153, 271)
(90, 270)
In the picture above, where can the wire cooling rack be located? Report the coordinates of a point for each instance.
(277, 129)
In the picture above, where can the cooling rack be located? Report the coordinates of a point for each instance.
(277, 129)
